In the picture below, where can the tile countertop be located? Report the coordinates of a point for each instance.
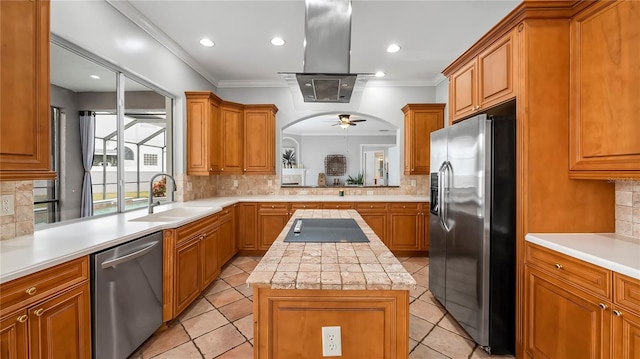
(611, 251)
(344, 266)
(70, 240)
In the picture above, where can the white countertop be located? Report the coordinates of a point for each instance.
(70, 240)
(611, 251)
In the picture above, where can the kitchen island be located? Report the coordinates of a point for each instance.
(299, 288)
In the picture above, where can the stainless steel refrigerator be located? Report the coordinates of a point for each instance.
(472, 227)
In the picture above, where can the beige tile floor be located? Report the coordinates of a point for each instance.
(219, 323)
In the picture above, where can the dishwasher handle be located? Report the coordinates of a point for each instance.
(129, 257)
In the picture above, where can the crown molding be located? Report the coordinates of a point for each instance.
(251, 83)
(134, 15)
(438, 79)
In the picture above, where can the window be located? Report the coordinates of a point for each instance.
(132, 136)
(150, 159)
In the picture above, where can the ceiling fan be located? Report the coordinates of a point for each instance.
(344, 121)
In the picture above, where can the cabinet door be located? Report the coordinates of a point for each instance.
(562, 321)
(14, 342)
(626, 334)
(209, 265)
(420, 121)
(377, 222)
(462, 92)
(404, 229)
(270, 224)
(60, 327)
(231, 138)
(259, 140)
(24, 91)
(495, 72)
(247, 226)
(605, 82)
(202, 133)
(187, 276)
(424, 231)
(227, 244)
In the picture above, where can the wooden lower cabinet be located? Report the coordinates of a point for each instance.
(626, 334)
(272, 218)
(563, 321)
(227, 247)
(247, 226)
(288, 323)
(47, 323)
(209, 265)
(406, 227)
(187, 274)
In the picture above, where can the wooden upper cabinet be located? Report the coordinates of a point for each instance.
(419, 121)
(24, 91)
(605, 83)
(203, 128)
(483, 82)
(231, 138)
(259, 139)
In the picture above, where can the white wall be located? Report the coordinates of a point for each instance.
(97, 27)
(442, 96)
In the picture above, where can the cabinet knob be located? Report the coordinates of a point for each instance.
(304, 206)
(404, 206)
(38, 312)
(337, 206)
(558, 266)
(603, 306)
(23, 318)
(31, 291)
(222, 169)
(245, 170)
(210, 168)
(273, 206)
(617, 313)
(371, 206)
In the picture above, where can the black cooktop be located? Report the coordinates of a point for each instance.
(326, 230)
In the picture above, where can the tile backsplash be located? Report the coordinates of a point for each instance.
(628, 208)
(21, 221)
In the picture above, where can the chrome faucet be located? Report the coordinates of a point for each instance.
(151, 204)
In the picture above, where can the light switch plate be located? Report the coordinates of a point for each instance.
(7, 205)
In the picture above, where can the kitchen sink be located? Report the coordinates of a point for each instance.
(172, 215)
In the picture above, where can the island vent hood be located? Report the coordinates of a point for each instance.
(327, 57)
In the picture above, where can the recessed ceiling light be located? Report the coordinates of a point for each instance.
(206, 42)
(379, 74)
(393, 48)
(95, 77)
(277, 41)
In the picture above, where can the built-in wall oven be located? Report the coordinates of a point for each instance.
(126, 289)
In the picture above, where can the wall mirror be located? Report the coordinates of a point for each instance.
(369, 144)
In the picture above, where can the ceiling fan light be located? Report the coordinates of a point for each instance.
(344, 125)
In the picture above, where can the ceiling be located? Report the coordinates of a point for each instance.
(326, 125)
(431, 34)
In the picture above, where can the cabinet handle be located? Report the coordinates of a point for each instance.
(210, 168)
(617, 313)
(603, 306)
(558, 266)
(222, 169)
(245, 170)
(404, 206)
(273, 206)
(371, 206)
(31, 291)
(38, 312)
(23, 318)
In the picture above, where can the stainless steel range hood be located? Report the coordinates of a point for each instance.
(327, 57)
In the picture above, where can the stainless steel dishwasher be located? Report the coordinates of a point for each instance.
(126, 288)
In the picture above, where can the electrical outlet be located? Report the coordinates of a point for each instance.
(331, 342)
(369, 193)
(270, 183)
(235, 183)
(7, 205)
(189, 186)
(413, 183)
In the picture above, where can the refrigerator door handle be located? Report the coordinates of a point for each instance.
(441, 202)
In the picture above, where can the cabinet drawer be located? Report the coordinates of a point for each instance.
(627, 292)
(273, 206)
(196, 228)
(337, 205)
(312, 205)
(584, 275)
(372, 206)
(43, 283)
(404, 206)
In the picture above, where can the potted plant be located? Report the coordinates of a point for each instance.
(358, 180)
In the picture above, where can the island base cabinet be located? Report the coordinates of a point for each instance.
(288, 323)
(562, 321)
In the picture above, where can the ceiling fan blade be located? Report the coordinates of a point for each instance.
(352, 124)
(335, 124)
(357, 120)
